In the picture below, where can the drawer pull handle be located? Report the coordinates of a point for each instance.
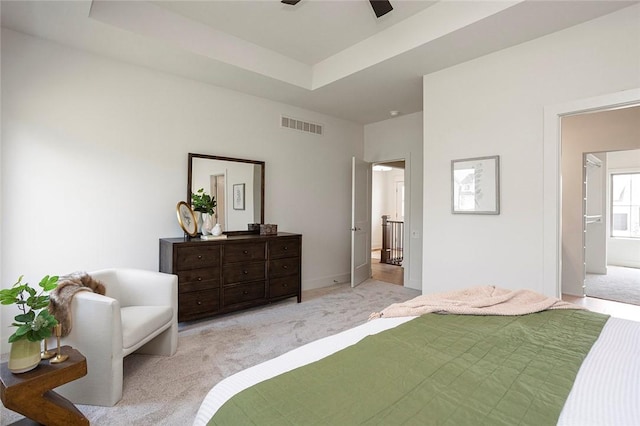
(199, 303)
(285, 266)
(199, 256)
(284, 285)
(245, 272)
(246, 251)
(245, 292)
(286, 248)
(199, 278)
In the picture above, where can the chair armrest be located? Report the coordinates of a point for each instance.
(97, 333)
(147, 288)
(96, 324)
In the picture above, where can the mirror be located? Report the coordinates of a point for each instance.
(236, 184)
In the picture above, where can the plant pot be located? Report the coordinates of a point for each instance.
(198, 216)
(24, 356)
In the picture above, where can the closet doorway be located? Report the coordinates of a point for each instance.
(612, 225)
(388, 221)
(591, 148)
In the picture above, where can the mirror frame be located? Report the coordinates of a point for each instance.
(237, 160)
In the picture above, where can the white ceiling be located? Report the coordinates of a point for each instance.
(309, 32)
(330, 56)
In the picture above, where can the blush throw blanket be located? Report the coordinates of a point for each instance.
(60, 298)
(480, 300)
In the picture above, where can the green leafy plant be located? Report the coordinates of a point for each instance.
(202, 202)
(34, 322)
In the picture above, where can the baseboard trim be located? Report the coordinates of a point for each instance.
(326, 281)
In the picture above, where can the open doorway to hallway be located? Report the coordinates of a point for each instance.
(387, 222)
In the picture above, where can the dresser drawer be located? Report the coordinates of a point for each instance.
(199, 275)
(243, 272)
(197, 257)
(192, 304)
(287, 286)
(284, 267)
(284, 247)
(244, 252)
(242, 293)
(198, 285)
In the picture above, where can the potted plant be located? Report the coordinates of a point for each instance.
(203, 204)
(34, 321)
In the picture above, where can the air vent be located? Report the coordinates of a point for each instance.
(303, 126)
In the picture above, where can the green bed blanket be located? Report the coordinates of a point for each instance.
(433, 370)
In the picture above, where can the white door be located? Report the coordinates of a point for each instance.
(360, 221)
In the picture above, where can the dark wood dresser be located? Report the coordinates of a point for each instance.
(238, 272)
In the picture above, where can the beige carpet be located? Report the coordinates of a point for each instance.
(169, 390)
(619, 284)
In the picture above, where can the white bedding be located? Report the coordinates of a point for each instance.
(606, 390)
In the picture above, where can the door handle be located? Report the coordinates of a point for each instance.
(356, 229)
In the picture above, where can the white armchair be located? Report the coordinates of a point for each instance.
(138, 314)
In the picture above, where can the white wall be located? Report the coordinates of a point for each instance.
(94, 160)
(395, 139)
(494, 105)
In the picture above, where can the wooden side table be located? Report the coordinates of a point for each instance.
(31, 394)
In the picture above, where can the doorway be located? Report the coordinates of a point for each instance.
(612, 225)
(387, 221)
(553, 208)
(218, 189)
(586, 139)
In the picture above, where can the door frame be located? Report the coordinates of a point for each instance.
(552, 172)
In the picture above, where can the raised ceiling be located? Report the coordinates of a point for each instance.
(301, 32)
(330, 56)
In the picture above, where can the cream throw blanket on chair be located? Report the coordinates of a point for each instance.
(481, 300)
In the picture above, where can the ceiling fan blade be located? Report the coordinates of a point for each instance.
(290, 2)
(381, 7)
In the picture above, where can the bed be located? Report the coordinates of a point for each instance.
(553, 366)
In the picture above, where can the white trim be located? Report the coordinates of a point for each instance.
(552, 208)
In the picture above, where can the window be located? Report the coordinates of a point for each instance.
(625, 205)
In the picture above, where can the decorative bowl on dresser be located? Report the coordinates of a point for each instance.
(238, 272)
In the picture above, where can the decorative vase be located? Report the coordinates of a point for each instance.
(207, 223)
(198, 216)
(217, 230)
(24, 356)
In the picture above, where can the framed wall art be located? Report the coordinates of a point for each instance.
(475, 185)
(238, 196)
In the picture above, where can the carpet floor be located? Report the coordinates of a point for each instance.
(169, 390)
(619, 284)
